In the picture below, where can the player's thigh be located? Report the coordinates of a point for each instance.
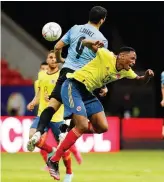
(74, 105)
(99, 122)
(95, 113)
(56, 93)
(72, 100)
(54, 126)
(81, 122)
(34, 126)
(54, 103)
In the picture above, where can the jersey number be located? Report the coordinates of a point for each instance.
(79, 47)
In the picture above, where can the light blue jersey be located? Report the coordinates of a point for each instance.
(78, 55)
(162, 78)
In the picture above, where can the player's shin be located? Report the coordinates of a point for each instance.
(67, 162)
(45, 118)
(43, 145)
(69, 140)
(44, 155)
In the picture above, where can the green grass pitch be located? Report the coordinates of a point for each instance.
(124, 166)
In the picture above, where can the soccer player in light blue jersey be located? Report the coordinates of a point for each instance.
(162, 88)
(77, 57)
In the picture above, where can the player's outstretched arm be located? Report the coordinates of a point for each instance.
(145, 78)
(58, 50)
(92, 44)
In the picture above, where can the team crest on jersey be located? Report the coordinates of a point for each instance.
(78, 108)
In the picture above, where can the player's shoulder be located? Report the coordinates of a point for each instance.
(41, 75)
(74, 27)
(105, 51)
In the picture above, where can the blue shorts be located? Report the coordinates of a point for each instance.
(78, 100)
(53, 125)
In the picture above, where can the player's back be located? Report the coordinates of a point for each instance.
(78, 55)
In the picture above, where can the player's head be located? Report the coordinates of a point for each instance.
(43, 66)
(127, 57)
(97, 15)
(51, 60)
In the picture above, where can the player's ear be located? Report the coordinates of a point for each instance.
(102, 21)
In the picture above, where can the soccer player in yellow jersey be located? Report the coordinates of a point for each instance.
(43, 67)
(77, 93)
(46, 83)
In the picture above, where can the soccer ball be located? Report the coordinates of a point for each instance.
(51, 31)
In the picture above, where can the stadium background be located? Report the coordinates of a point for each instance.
(135, 114)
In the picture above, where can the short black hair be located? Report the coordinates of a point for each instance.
(126, 49)
(43, 63)
(96, 14)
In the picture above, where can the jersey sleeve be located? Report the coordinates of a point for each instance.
(131, 74)
(66, 38)
(162, 79)
(100, 51)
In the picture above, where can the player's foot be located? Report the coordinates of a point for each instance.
(68, 178)
(31, 143)
(53, 169)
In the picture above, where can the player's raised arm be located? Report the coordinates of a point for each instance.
(92, 44)
(64, 41)
(145, 78)
(58, 50)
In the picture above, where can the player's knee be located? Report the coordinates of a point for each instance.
(103, 128)
(54, 104)
(82, 126)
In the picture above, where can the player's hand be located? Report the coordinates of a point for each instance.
(149, 73)
(162, 103)
(99, 44)
(103, 92)
(30, 106)
(93, 45)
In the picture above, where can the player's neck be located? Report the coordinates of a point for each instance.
(52, 70)
(118, 66)
(95, 25)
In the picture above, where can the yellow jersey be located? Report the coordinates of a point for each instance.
(46, 83)
(101, 71)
